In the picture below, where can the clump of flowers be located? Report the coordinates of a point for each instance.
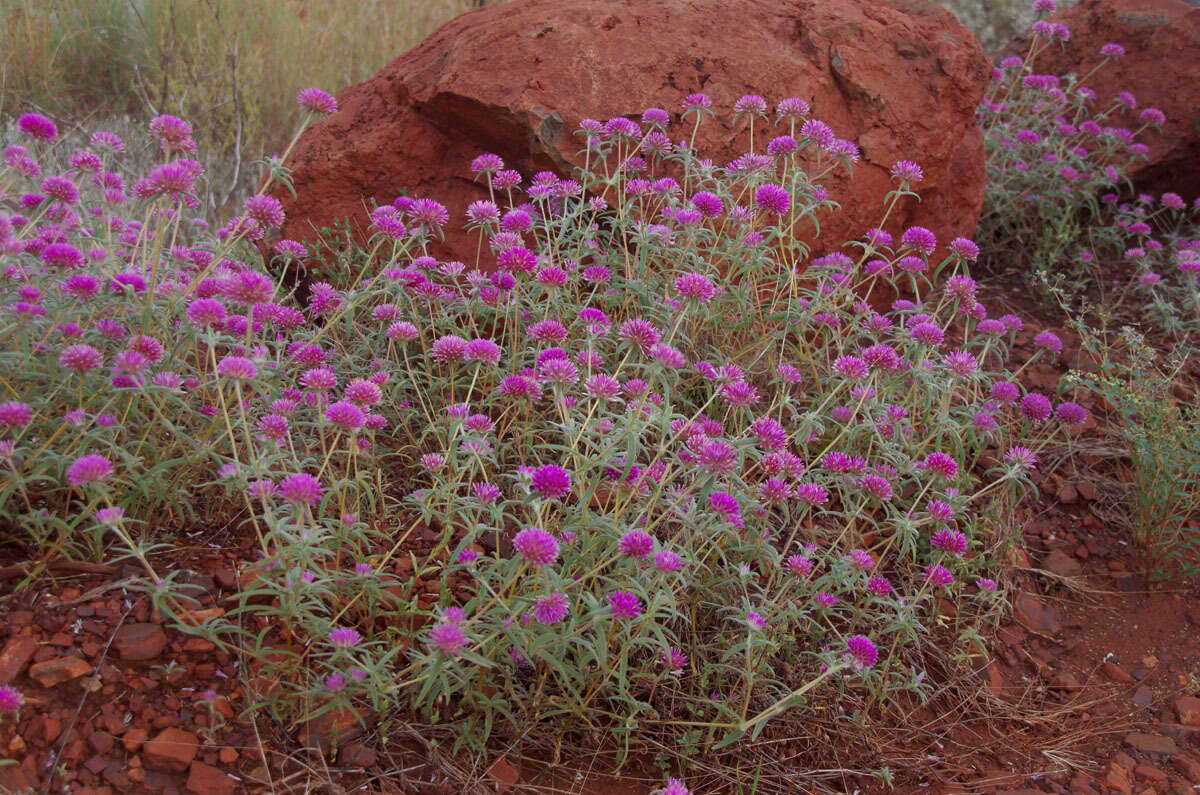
(644, 461)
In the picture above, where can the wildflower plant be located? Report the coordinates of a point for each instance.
(679, 476)
(1057, 156)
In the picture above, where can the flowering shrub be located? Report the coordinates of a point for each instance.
(679, 476)
(1051, 156)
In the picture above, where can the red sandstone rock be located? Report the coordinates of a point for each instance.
(171, 749)
(207, 780)
(55, 672)
(1161, 67)
(17, 652)
(140, 641)
(901, 79)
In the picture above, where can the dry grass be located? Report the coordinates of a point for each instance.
(230, 66)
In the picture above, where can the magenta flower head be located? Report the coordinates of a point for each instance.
(967, 249)
(939, 576)
(1035, 407)
(942, 464)
(552, 608)
(1050, 341)
(62, 255)
(1021, 457)
(919, 238)
(951, 541)
(81, 358)
(695, 287)
(448, 638)
(536, 545)
(317, 100)
(1112, 50)
(551, 482)
(674, 785)
(89, 469)
(773, 198)
(37, 126)
(344, 637)
(879, 586)
(862, 560)
(907, 171)
(10, 699)
(15, 414)
(851, 367)
(1071, 414)
(237, 368)
(346, 415)
(636, 544)
(624, 604)
(861, 651)
(667, 561)
(110, 516)
(301, 489)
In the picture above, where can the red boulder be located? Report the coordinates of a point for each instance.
(901, 79)
(1161, 68)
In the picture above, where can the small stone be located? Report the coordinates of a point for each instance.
(1116, 778)
(504, 773)
(207, 780)
(115, 774)
(16, 655)
(228, 755)
(1143, 696)
(358, 755)
(172, 749)
(1064, 680)
(1151, 772)
(136, 642)
(1116, 673)
(1087, 489)
(133, 739)
(226, 577)
(1031, 613)
(1188, 710)
(1152, 743)
(1062, 564)
(60, 670)
(198, 645)
(335, 727)
(101, 742)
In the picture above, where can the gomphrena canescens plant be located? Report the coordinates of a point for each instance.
(683, 481)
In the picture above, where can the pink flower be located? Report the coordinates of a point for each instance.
(448, 638)
(636, 544)
(301, 489)
(951, 541)
(536, 546)
(674, 660)
(15, 414)
(551, 482)
(861, 651)
(317, 100)
(942, 464)
(89, 469)
(10, 699)
(552, 608)
(624, 604)
(939, 576)
(80, 358)
(907, 171)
